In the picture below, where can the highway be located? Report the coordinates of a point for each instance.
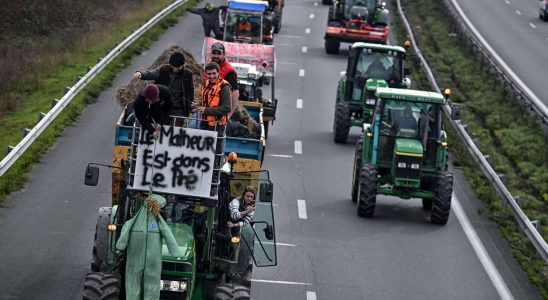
(325, 250)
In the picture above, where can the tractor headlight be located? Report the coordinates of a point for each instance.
(415, 166)
(173, 285)
(402, 165)
(370, 101)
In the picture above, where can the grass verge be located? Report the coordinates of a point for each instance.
(85, 54)
(509, 135)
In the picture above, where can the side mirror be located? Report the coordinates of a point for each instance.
(268, 233)
(267, 192)
(92, 175)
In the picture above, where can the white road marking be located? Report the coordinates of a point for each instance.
(298, 147)
(304, 49)
(307, 31)
(280, 282)
(281, 155)
(301, 73)
(281, 244)
(482, 254)
(532, 25)
(518, 12)
(507, 2)
(311, 16)
(315, 3)
(299, 103)
(301, 207)
(310, 295)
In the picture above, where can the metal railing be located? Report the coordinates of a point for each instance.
(49, 117)
(524, 223)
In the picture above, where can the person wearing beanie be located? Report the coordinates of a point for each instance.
(210, 19)
(177, 78)
(152, 108)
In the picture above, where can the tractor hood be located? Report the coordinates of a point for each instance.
(185, 239)
(372, 84)
(408, 147)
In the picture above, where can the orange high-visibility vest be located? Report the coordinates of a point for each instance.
(211, 97)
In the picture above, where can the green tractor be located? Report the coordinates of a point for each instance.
(369, 66)
(218, 260)
(403, 153)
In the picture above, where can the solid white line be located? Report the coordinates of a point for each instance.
(281, 244)
(281, 155)
(310, 295)
(532, 25)
(299, 103)
(280, 282)
(301, 72)
(298, 147)
(518, 12)
(301, 207)
(307, 31)
(304, 49)
(482, 254)
(311, 16)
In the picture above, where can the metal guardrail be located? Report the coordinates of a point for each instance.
(524, 223)
(48, 118)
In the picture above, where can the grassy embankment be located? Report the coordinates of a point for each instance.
(56, 68)
(508, 134)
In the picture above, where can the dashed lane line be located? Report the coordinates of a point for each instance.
(310, 295)
(301, 72)
(307, 31)
(301, 208)
(518, 12)
(299, 103)
(298, 147)
(304, 49)
(532, 25)
(281, 155)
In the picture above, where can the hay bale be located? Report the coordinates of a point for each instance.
(126, 94)
(242, 116)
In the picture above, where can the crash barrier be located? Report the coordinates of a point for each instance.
(526, 225)
(70, 92)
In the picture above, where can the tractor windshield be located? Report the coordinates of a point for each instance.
(380, 65)
(358, 5)
(184, 213)
(243, 27)
(407, 119)
(247, 90)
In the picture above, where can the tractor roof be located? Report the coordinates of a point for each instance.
(378, 47)
(410, 95)
(248, 5)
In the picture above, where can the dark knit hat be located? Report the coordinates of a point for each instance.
(151, 92)
(177, 59)
(218, 47)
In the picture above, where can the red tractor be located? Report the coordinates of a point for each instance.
(351, 21)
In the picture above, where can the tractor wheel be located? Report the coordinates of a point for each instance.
(427, 204)
(227, 291)
(102, 286)
(544, 16)
(332, 46)
(356, 170)
(442, 203)
(341, 124)
(278, 25)
(368, 191)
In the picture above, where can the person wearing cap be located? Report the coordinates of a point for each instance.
(226, 72)
(177, 78)
(210, 19)
(152, 108)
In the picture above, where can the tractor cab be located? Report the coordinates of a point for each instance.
(244, 23)
(403, 153)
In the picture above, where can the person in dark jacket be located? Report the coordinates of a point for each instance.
(210, 19)
(153, 107)
(177, 78)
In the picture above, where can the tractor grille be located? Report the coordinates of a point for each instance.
(408, 172)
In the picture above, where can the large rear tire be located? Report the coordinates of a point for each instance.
(227, 291)
(367, 195)
(332, 46)
(341, 124)
(442, 202)
(103, 286)
(356, 170)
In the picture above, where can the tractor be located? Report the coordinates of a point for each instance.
(245, 22)
(198, 183)
(403, 153)
(351, 21)
(369, 66)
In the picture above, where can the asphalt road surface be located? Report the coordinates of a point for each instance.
(325, 250)
(515, 32)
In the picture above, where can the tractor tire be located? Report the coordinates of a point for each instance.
(227, 291)
(356, 170)
(100, 241)
(368, 191)
(442, 202)
(427, 204)
(544, 16)
(103, 286)
(278, 26)
(332, 46)
(341, 124)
